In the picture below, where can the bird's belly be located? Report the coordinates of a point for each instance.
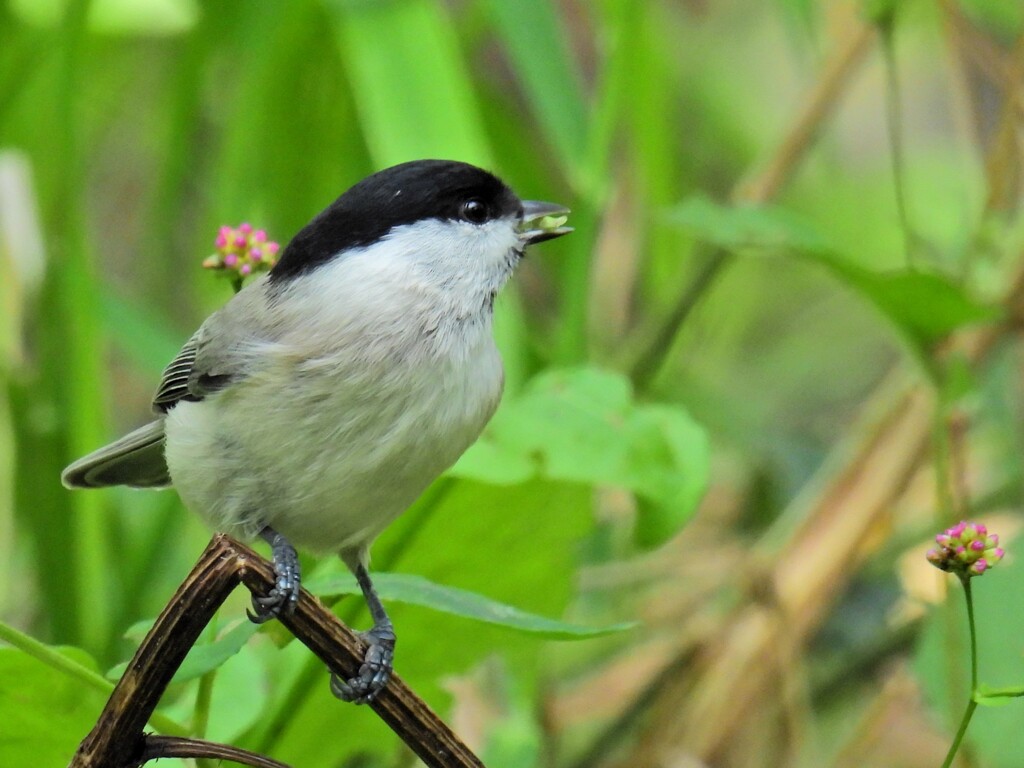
(333, 466)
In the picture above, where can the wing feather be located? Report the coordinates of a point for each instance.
(191, 376)
(174, 383)
(208, 362)
(136, 460)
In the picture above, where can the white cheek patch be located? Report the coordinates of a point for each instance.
(474, 259)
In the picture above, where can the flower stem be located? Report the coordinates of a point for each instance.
(960, 733)
(971, 703)
(966, 581)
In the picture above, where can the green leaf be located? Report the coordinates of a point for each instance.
(416, 590)
(925, 307)
(241, 692)
(988, 696)
(413, 91)
(582, 425)
(202, 658)
(573, 422)
(489, 462)
(670, 466)
(746, 226)
(44, 713)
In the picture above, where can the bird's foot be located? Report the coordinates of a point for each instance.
(375, 671)
(287, 582)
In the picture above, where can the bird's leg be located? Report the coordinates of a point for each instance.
(285, 593)
(380, 651)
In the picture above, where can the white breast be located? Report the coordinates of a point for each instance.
(379, 384)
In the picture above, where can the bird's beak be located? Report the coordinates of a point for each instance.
(542, 221)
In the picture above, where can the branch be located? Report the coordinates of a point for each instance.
(118, 740)
(174, 746)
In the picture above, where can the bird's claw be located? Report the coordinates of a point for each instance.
(282, 599)
(375, 671)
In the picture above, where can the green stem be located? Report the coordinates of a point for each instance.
(201, 711)
(204, 697)
(201, 714)
(971, 703)
(968, 713)
(53, 658)
(966, 581)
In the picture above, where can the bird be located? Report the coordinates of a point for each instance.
(322, 399)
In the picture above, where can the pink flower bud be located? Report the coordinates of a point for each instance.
(242, 251)
(966, 549)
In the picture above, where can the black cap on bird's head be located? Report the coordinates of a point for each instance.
(411, 192)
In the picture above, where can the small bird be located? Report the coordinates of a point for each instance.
(316, 405)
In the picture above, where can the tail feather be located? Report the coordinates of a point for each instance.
(136, 460)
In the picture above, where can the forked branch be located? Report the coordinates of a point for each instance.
(118, 739)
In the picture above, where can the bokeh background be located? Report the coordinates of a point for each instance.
(780, 351)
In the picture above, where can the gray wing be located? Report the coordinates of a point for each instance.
(137, 460)
(205, 364)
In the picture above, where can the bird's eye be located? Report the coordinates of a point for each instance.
(474, 211)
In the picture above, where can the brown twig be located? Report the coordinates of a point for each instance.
(118, 740)
(175, 746)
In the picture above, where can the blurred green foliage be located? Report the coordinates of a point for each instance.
(131, 129)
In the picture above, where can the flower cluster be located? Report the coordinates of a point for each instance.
(242, 251)
(966, 549)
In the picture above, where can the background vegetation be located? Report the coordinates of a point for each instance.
(793, 295)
